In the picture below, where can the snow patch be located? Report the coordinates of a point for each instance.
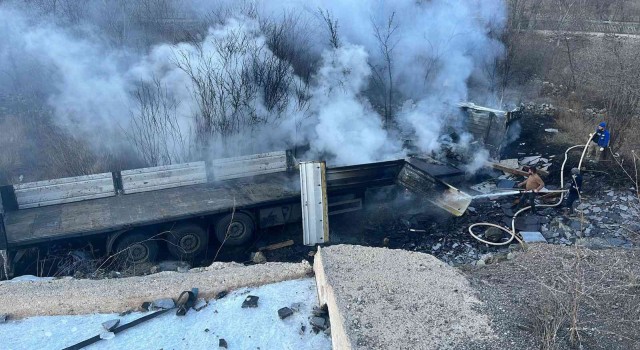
(248, 328)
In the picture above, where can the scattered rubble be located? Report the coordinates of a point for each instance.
(171, 265)
(318, 322)
(111, 324)
(200, 304)
(163, 304)
(251, 301)
(541, 109)
(258, 258)
(284, 312)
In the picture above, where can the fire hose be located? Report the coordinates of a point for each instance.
(513, 232)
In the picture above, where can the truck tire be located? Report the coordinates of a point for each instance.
(139, 248)
(187, 241)
(240, 230)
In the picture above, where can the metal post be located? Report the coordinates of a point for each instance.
(313, 190)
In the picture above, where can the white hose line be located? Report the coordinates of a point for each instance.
(511, 193)
(512, 232)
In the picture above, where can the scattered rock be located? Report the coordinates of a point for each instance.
(3, 318)
(107, 335)
(320, 311)
(493, 234)
(296, 307)
(173, 265)
(146, 306)
(200, 304)
(284, 313)
(222, 343)
(251, 301)
(318, 322)
(165, 303)
(258, 258)
(111, 324)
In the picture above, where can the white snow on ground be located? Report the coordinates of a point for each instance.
(257, 328)
(30, 278)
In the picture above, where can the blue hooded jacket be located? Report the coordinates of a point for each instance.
(601, 137)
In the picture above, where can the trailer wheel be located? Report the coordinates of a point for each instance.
(237, 232)
(187, 241)
(137, 248)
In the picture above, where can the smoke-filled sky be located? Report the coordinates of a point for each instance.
(87, 63)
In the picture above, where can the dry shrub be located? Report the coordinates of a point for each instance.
(588, 303)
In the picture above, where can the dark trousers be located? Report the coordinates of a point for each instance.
(529, 197)
(571, 198)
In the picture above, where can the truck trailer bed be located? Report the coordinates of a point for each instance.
(37, 225)
(31, 226)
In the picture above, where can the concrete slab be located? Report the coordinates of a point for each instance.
(395, 299)
(532, 237)
(83, 296)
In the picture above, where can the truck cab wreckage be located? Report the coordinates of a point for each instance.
(185, 205)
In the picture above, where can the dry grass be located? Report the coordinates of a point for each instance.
(568, 297)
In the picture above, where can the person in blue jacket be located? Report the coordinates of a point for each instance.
(599, 142)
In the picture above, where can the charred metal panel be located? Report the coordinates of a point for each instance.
(315, 218)
(433, 190)
(65, 190)
(446, 173)
(280, 215)
(162, 177)
(244, 166)
(363, 175)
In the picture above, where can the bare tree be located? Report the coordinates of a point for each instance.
(232, 82)
(154, 131)
(332, 27)
(383, 75)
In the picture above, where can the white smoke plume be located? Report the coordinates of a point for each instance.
(437, 49)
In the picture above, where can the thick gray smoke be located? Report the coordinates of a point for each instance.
(433, 50)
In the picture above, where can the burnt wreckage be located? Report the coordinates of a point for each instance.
(488, 128)
(180, 208)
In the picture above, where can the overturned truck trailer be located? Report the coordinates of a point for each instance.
(180, 208)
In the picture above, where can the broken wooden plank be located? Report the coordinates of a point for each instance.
(514, 171)
(277, 245)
